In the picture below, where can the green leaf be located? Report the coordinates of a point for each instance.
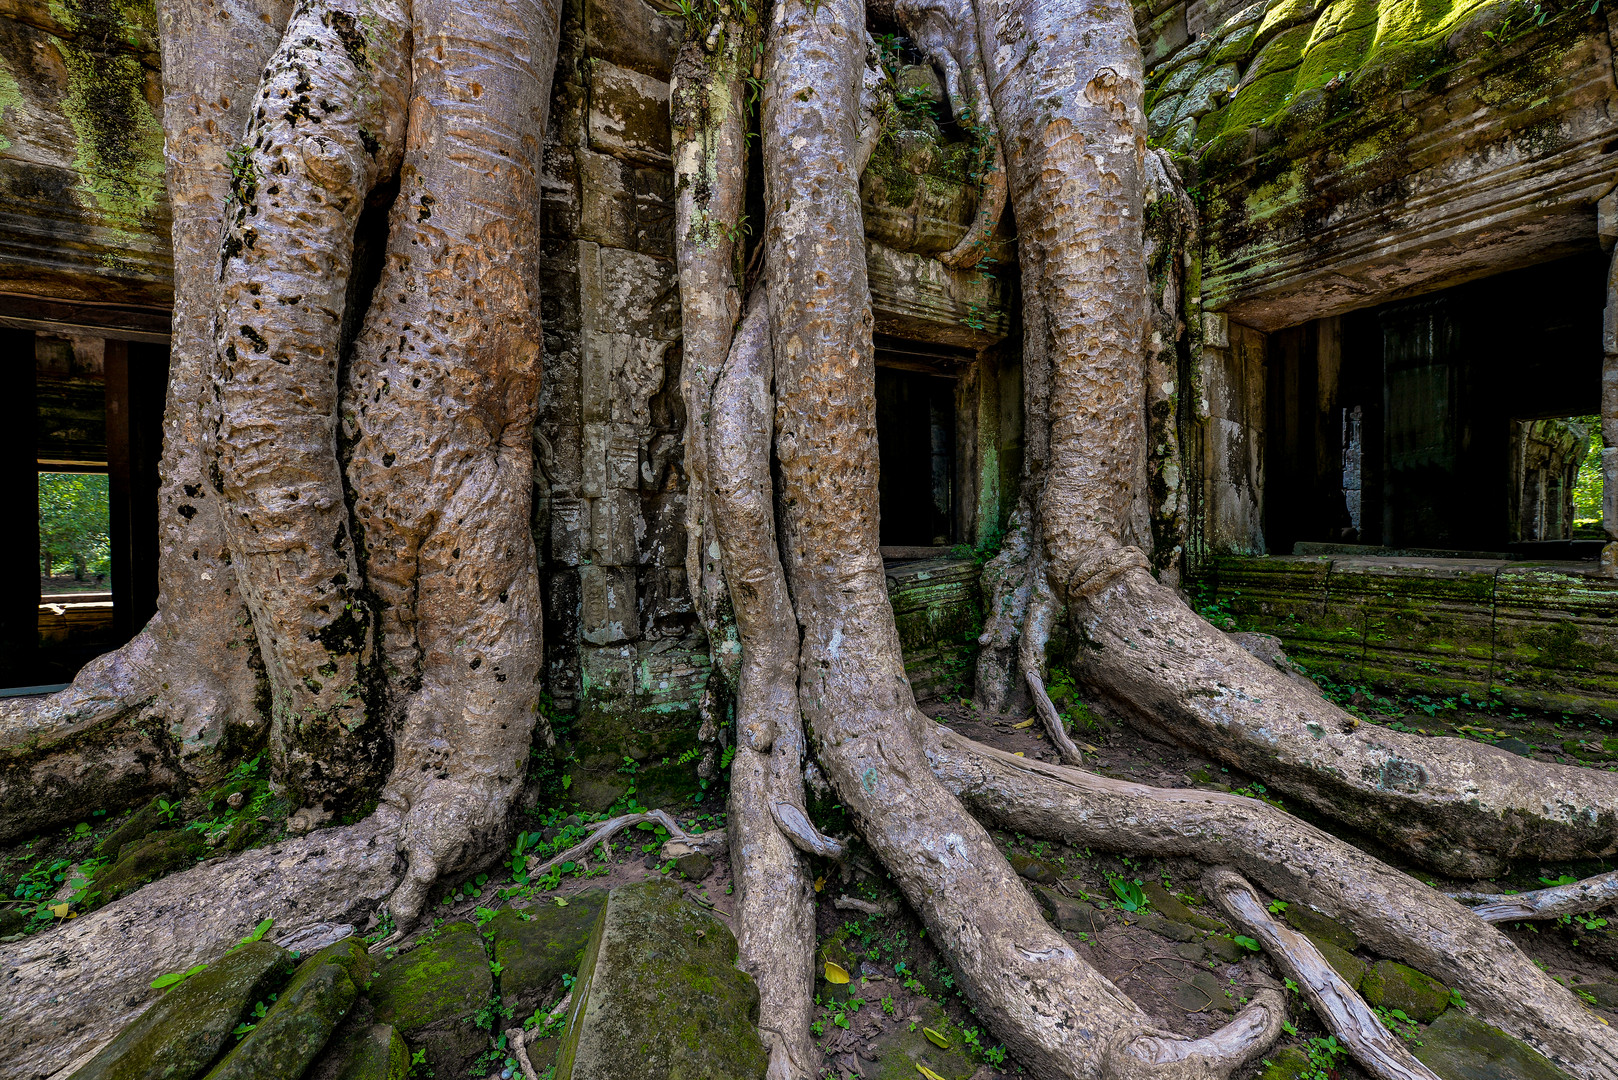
(935, 1038)
(1130, 896)
(259, 931)
(1246, 942)
(174, 977)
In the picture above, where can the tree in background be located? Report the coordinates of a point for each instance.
(73, 523)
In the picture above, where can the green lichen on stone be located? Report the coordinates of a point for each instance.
(659, 996)
(294, 1031)
(119, 135)
(381, 1054)
(10, 99)
(445, 979)
(189, 1026)
(535, 952)
(1395, 986)
(1289, 1064)
(146, 860)
(1461, 1047)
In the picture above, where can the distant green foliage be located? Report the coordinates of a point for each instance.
(1587, 485)
(74, 524)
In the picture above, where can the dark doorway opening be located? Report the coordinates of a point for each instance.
(1422, 424)
(915, 430)
(81, 432)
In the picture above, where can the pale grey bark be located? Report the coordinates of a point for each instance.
(1550, 903)
(852, 687)
(327, 125)
(1340, 1008)
(1391, 912)
(439, 409)
(775, 924)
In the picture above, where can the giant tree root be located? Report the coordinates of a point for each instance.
(775, 926)
(1340, 1008)
(1461, 806)
(1393, 913)
(1552, 903)
(67, 992)
(1056, 1013)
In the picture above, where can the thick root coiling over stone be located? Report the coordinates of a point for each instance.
(1060, 1016)
(1344, 1012)
(1463, 807)
(774, 905)
(1391, 912)
(1551, 903)
(67, 992)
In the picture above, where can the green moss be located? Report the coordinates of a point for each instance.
(380, 1054)
(189, 1026)
(535, 951)
(443, 980)
(159, 854)
(284, 1043)
(1395, 986)
(118, 134)
(659, 995)
(10, 98)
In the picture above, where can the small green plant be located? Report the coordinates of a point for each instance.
(1246, 942)
(1396, 1021)
(1130, 895)
(167, 809)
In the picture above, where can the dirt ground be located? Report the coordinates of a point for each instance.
(1188, 978)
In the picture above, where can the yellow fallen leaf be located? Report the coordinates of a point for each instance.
(1091, 749)
(820, 882)
(1019, 753)
(835, 973)
(60, 911)
(928, 1073)
(935, 1038)
(1026, 723)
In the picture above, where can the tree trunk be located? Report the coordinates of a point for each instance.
(348, 559)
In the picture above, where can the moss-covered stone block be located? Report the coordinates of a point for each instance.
(189, 1026)
(445, 979)
(902, 1047)
(536, 946)
(1289, 1064)
(1318, 927)
(140, 823)
(1461, 1047)
(659, 995)
(1395, 986)
(1172, 907)
(146, 860)
(294, 1031)
(1066, 913)
(380, 1054)
(1038, 871)
(639, 701)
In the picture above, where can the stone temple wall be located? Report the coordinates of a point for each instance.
(83, 213)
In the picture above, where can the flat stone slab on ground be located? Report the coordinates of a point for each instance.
(659, 996)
